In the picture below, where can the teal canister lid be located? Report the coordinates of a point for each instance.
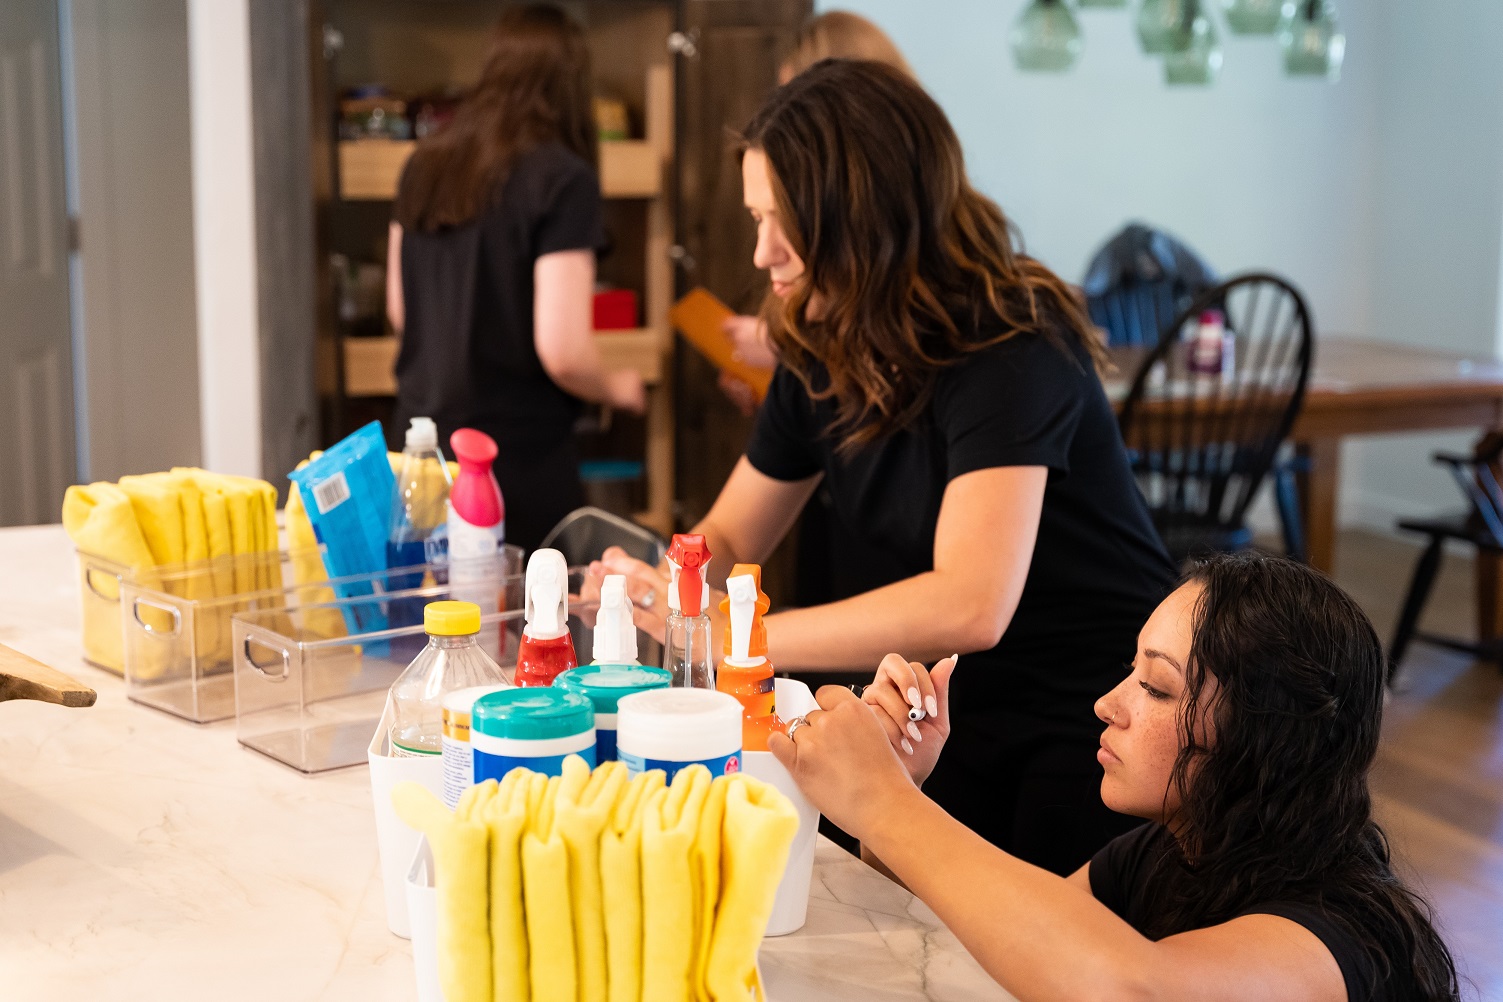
(604, 685)
(532, 714)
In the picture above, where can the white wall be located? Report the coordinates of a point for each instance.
(135, 313)
(229, 366)
(1438, 207)
(1381, 196)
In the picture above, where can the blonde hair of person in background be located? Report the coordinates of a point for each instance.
(840, 34)
(835, 34)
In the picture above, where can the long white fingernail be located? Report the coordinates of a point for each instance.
(932, 706)
(913, 698)
(913, 732)
(907, 747)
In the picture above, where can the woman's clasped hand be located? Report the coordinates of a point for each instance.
(859, 757)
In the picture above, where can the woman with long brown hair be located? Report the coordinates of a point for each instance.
(491, 268)
(942, 386)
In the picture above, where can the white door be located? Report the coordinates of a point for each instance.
(36, 357)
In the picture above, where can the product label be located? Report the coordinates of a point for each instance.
(605, 743)
(495, 767)
(725, 765)
(459, 769)
(331, 493)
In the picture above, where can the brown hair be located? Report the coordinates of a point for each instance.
(535, 88)
(839, 34)
(909, 261)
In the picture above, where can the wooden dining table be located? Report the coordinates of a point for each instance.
(1362, 386)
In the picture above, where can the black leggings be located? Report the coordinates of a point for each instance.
(1029, 788)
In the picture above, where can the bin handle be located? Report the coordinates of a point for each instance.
(250, 659)
(88, 576)
(177, 617)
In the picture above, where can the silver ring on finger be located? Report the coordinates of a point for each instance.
(648, 600)
(795, 724)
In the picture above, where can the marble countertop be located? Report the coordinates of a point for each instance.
(145, 857)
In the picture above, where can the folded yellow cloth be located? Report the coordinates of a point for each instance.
(621, 885)
(592, 887)
(671, 885)
(547, 900)
(159, 513)
(101, 521)
(705, 859)
(758, 830)
(461, 864)
(585, 803)
(506, 818)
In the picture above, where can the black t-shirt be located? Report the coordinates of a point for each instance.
(1098, 566)
(1131, 874)
(468, 357)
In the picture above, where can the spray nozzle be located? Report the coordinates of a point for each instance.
(546, 607)
(745, 603)
(615, 634)
(688, 558)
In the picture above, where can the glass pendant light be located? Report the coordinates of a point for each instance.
(1045, 38)
(1255, 17)
(1164, 26)
(1313, 46)
(1200, 64)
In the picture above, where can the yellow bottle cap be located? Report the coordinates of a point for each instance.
(451, 619)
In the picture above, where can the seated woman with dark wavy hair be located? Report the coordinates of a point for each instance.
(1243, 732)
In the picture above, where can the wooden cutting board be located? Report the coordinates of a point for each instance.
(22, 677)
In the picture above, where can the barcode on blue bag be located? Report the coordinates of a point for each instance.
(331, 493)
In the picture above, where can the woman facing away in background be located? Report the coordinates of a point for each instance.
(491, 269)
(1244, 733)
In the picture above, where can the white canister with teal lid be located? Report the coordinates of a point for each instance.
(533, 728)
(605, 686)
(670, 729)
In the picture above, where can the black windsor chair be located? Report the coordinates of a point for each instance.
(1481, 524)
(1201, 445)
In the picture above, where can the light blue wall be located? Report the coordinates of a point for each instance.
(1381, 196)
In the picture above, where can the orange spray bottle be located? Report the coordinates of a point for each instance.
(745, 672)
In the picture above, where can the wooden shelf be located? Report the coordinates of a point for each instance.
(370, 362)
(370, 168)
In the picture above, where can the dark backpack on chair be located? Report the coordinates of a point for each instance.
(1140, 281)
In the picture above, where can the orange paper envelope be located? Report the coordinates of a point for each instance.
(699, 316)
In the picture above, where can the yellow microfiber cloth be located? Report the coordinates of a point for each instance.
(546, 898)
(506, 818)
(758, 830)
(308, 567)
(705, 859)
(670, 882)
(621, 885)
(159, 513)
(580, 814)
(101, 521)
(461, 869)
(199, 580)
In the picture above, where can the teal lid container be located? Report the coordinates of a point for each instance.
(604, 685)
(532, 714)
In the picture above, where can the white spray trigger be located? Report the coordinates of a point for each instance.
(673, 573)
(742, 590)
(615, 634)
(546, 604)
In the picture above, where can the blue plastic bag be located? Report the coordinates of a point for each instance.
(347, 494)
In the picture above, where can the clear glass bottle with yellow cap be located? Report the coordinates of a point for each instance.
(452, 660)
